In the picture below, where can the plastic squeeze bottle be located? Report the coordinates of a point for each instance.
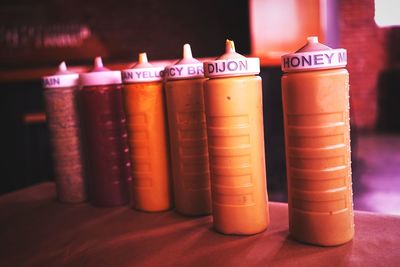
(60, 94)
(315, 92)
(108, 166)
(148, 138)
(188, 135)
(233, 105)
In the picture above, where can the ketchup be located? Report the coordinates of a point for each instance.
(105, 136)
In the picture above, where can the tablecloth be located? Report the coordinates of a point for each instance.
(37, 230)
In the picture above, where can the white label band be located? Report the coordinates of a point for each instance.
(335, 58)
(232, 67)
(143, 75)
(56, 81)
(182, 71)
(96, 78)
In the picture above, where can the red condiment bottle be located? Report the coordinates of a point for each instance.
(188, 135)
(60, 94)
(315, 95)
(107, 160)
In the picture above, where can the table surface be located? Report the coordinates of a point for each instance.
(36, 230)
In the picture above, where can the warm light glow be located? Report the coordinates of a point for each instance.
(280, 27)
(387, 13)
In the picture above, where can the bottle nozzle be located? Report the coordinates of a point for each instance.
(65, 78)
(62, 67)
(98, 63)
(187, 57)
(230, 51)
(142, 58)
(142, 62)
(312, 39)
(187, 51)
(229, 46)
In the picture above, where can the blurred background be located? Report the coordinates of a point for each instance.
(35, 36)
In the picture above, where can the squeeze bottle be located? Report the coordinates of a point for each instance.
(108, 166)
(233, 105)
(148, 138)
(188, 135)
(60, 94)
(315, 95)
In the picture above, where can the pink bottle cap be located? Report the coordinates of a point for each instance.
(314, 56)
(62, 78)
(100, 75)
(186, 68)
(143, 71)
(231, 64)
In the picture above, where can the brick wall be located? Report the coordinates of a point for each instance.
(366, 46)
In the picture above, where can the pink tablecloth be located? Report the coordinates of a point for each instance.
(36, 230)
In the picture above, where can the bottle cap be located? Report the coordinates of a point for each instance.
(142, 71)
(231, 64)
(62, 78)
(186, 68)
(314, 56)
(100, 75)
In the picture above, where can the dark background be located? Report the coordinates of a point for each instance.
(119, 30)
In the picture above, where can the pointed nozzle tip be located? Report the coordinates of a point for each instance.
(187, 51)
(312, 39)
(142, 58)
(62, 66)
(230, 46)
(98, 62)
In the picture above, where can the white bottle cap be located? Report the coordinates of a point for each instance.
(100, 75)
(143, 71)
(62, 78)
(314, 56)
(186, 68)
(231, 64)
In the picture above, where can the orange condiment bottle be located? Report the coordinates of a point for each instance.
(233, 105)
(315, 91)
(147, 136)
(188, 135)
